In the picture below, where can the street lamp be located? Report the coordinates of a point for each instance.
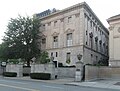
(3, 65)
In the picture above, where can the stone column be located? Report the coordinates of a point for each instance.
(18, 68)
(79, 71)
(51, 69)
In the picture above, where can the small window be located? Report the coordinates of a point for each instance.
(55, 42)
(69, 39)
(77, 15)
(49, 23)
(51, 53)
(102, 33)
(96, 28)
(55, 38)
(86, 32)
(43, 41)
(85, 15)
(90, 15)
(86, 43)
(69, 36)
(91, 24)
(96, 58)
(62, 20)
(55, 23)
(91, 55)
(56, 54)
(68, 56)
(69, 19)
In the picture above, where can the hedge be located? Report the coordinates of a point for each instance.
(10, 74)
(42, 76)
(26, 74)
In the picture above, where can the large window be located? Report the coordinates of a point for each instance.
(91, 43)
(43, 43)
(91, 40)
(55, 42)
(91, 24)
(100, 43)
(69, 39)
(96, 43)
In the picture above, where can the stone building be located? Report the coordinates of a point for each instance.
(114, 42)
(72, 31)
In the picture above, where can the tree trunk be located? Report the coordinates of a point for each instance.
(28, 62)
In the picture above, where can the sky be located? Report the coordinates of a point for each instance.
(12, 8)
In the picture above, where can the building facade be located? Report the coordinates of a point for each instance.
(72, 31)
(114, 42)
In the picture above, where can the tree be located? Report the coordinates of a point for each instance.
(22, 37)
(43, 58)
(3, 52)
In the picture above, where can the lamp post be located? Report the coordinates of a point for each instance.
(33, 59)
(3, 65)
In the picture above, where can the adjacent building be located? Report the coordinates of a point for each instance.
(72, 31)
(114, 40)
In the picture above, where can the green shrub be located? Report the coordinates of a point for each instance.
(43, 58)
(68, 61)
(10, 74)
(42, 76)
(26, 74)
(60, 64)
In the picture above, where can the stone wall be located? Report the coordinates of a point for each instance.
(103, 72)
(44, 68)
(26, 70)
(61, 72)
(1, 70)
(109, 72)
(15, 68)
(91, 73)
(66, 72)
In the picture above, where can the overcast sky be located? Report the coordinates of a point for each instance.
(11, 8)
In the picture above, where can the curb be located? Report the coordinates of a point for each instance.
(35, 80)
(94, 86)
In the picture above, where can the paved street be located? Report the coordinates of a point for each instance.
(26, 85)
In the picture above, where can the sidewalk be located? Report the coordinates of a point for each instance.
(104, 83)
(57, 81)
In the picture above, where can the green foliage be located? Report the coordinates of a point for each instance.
(10, 74)
(22, 37)
(26, 74)
(4, 52)
(60, 64)
(13, 61)
(42, 76)
(103, 63)
(43, 58)
(68, 61)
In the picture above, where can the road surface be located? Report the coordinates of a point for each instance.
(26, 85)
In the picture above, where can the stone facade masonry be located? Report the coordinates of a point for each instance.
(114, 42)
(82, 23)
